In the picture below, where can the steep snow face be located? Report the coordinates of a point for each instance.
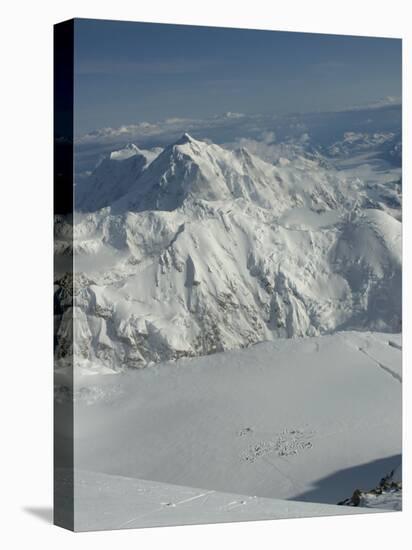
(210, 249)
(113, 177)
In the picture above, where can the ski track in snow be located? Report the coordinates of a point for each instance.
(116, 502)
(373, 359)
(173, 504)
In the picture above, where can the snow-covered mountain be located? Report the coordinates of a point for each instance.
(191, 169)
(197, 249)
(358, 142)
(372, 162)
(114, 176)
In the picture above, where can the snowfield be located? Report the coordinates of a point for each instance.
(115, 502)
(306, 419)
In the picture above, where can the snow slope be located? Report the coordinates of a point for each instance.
(209, 250)
(115, 502)
(113, 176)
(306, 419)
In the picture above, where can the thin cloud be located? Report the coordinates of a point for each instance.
(378, 104)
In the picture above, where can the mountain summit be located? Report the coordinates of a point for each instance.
(186, 138)
(190, 170)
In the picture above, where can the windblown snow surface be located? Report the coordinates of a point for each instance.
(116, 502)
(236, 328)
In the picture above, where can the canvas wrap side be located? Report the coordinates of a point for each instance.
(63, 272)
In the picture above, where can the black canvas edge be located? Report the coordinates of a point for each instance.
(63, 417)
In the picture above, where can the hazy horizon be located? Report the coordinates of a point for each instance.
(127, 72)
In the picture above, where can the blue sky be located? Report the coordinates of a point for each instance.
(133, 72)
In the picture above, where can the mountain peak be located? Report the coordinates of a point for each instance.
(186, 138)
(126, 152)
(132, 147)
